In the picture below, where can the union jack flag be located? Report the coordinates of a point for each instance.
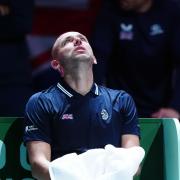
(67, 116)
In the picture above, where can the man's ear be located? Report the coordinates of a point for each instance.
(55, 64)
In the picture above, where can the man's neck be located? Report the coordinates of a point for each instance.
(80, 82)
(145, 7)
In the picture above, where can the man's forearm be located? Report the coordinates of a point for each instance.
(40, 171)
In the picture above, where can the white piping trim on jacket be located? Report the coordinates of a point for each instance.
(64, 90)
(96, 91)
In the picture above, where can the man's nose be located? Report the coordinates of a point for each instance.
(77, 41)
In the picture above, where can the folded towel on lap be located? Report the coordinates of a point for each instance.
(110, 163)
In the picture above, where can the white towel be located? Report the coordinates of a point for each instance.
(110, 163)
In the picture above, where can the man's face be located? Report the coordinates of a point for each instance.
(131, 5)
(73, 46)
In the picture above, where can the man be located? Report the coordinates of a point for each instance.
(76, 115)
(137, 46)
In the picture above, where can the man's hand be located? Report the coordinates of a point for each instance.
(4, 10)
(166, 113)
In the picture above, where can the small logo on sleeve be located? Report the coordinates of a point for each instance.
(30, 128)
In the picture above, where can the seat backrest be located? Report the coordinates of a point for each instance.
(171, 139)
(161, 140)
(159, 137)
(13, 156)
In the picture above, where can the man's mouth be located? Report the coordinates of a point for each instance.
(79, 48)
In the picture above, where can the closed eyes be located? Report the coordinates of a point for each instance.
(68, 39)
(71, 39)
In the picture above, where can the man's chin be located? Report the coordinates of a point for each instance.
(83, 57)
